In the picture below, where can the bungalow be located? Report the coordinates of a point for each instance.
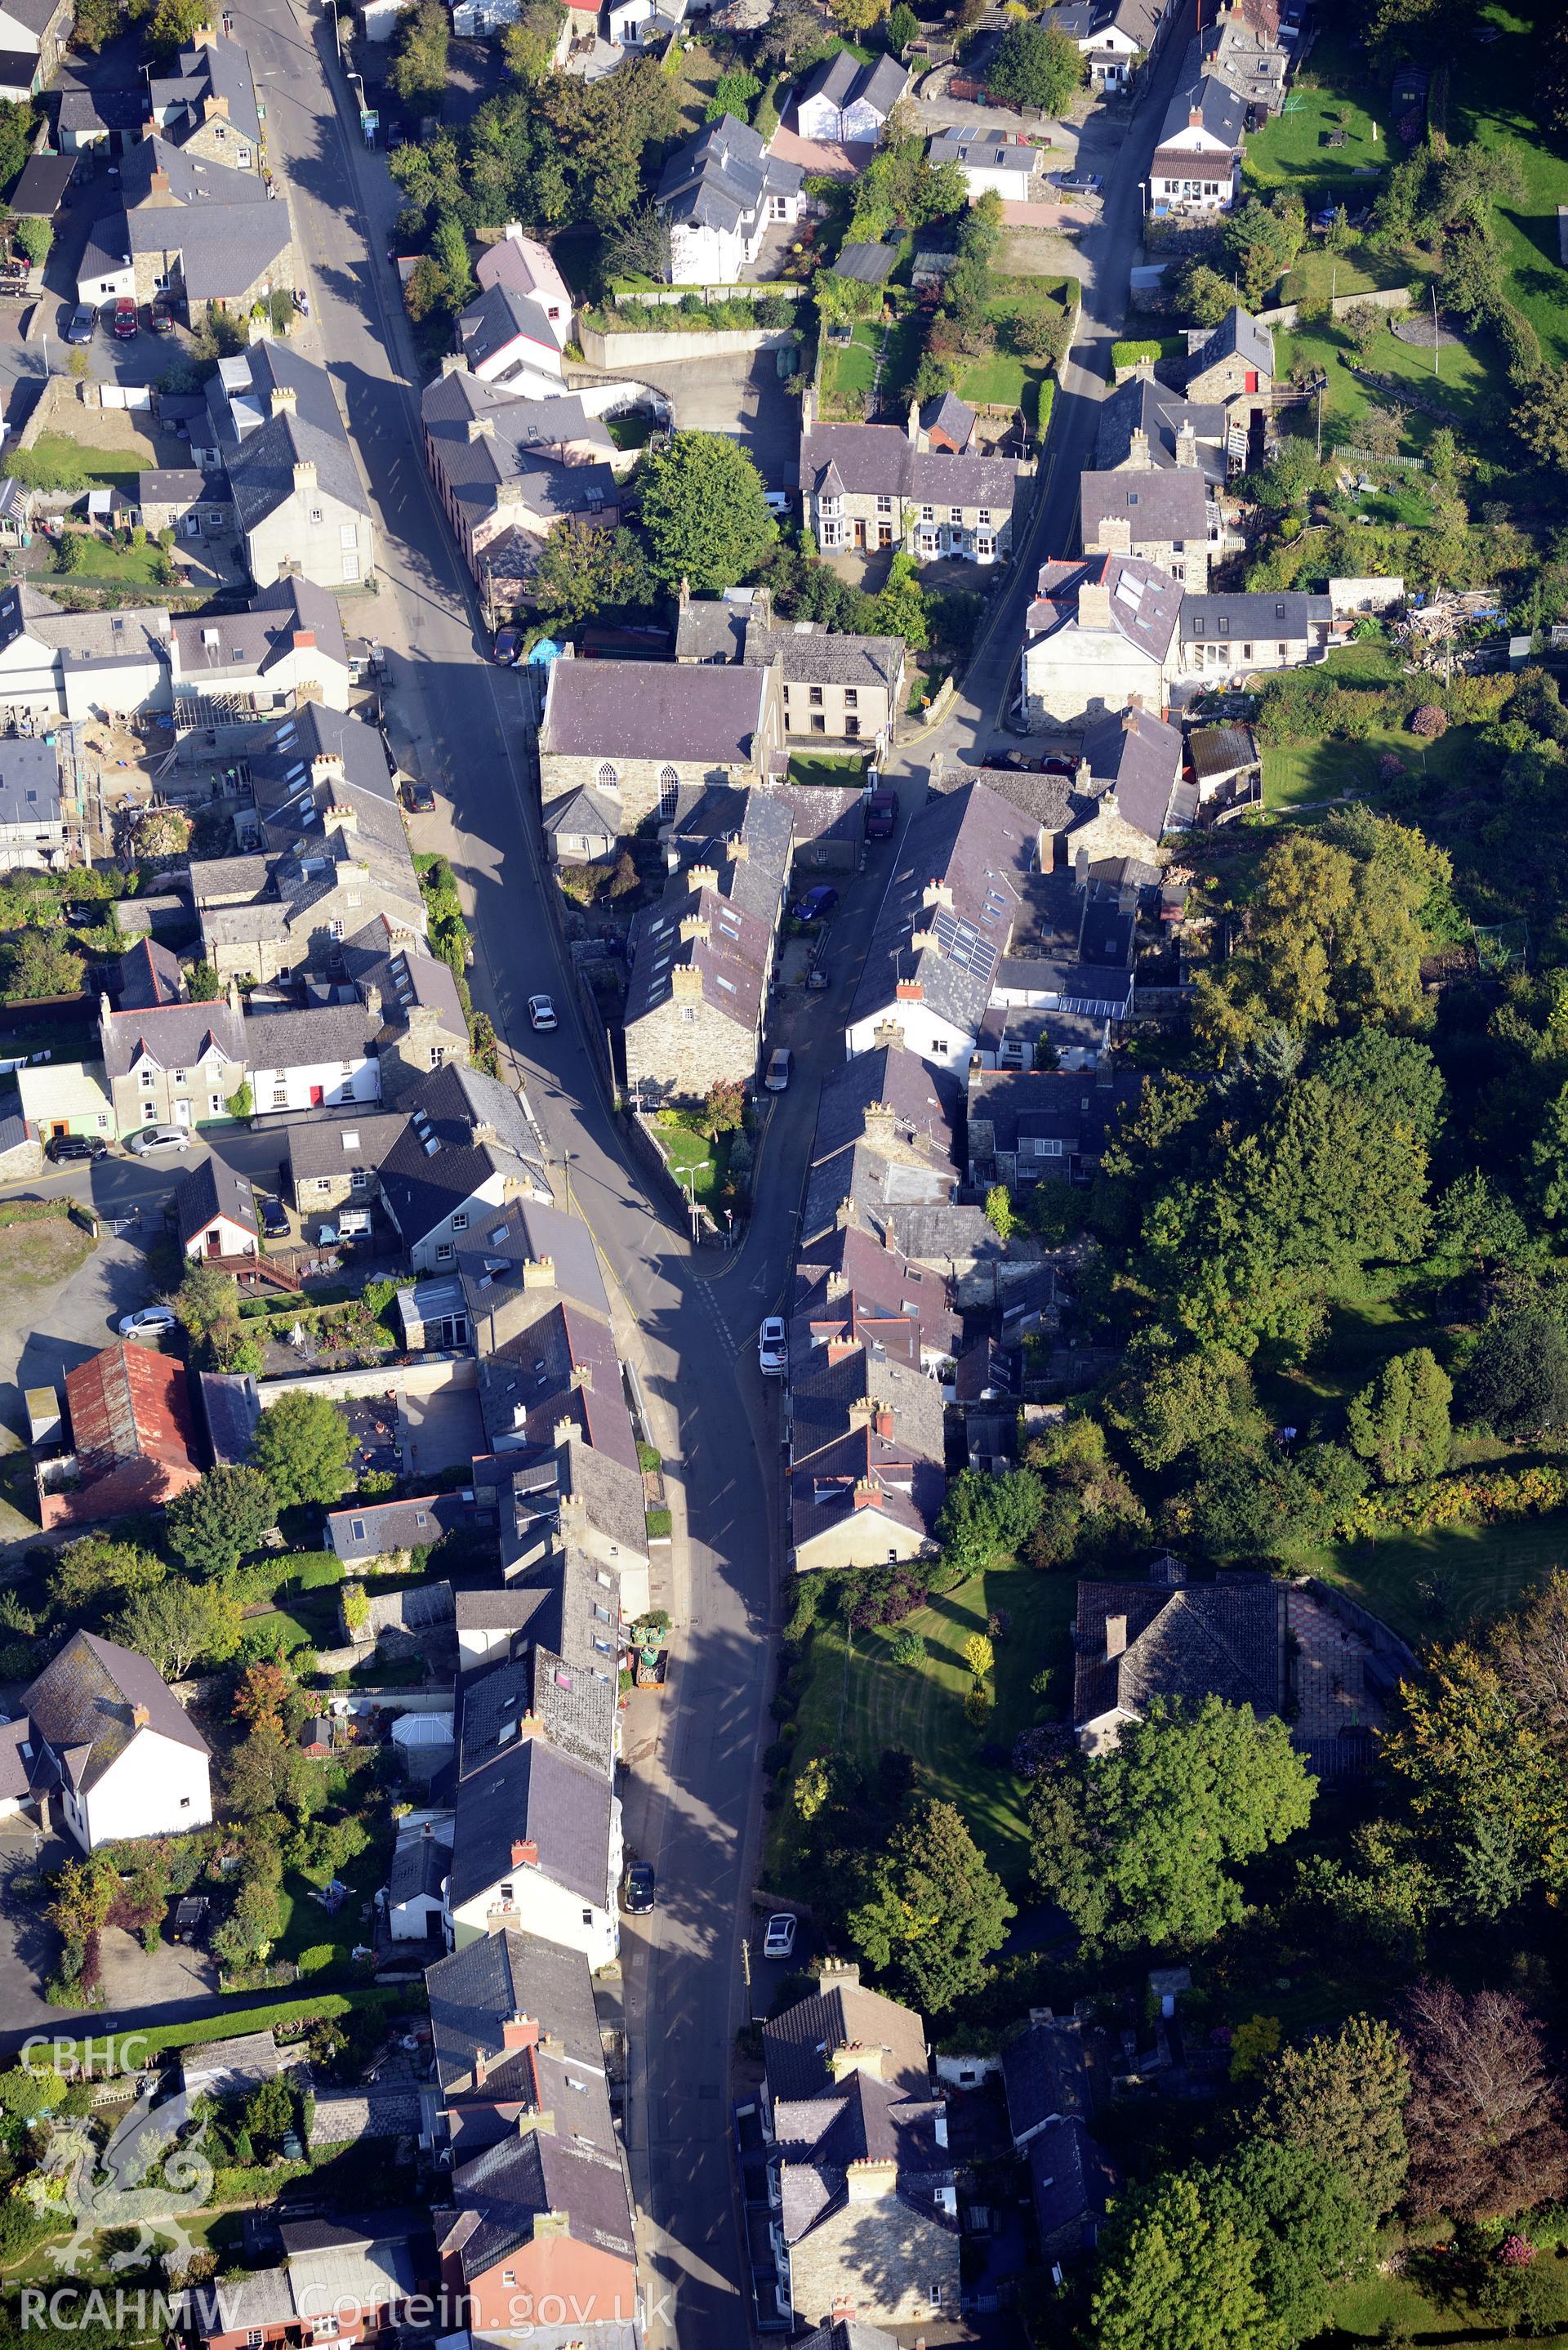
(113, 1742)
(65, 1097)
(637, 734)
(842, 102)
(993, 162)
(1099, 634)
(215, 1212)
(720, 194)
(416, 1884)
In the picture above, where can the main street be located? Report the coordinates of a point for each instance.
(688, 1321)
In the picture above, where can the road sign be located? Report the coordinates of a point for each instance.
(369, 123)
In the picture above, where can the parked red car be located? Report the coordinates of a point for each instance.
(125, 322)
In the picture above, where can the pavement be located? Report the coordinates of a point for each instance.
(686, 1319)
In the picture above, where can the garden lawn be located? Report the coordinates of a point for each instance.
(697, 1164)
(631, 430)
(1302, 774)
(1489, 100)
(1431, 1585)
(696, 80)
(40, 1252)
(1291, 151)
(840, 769)
(113, 469)
(1392, 2308)
(849, 370)
(1005, 378)
(858, 1702)
(118, 567)
(1471, 383)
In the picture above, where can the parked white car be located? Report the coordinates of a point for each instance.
(772, 1346)
(779, 1940)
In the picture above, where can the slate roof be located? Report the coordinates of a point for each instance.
(211, 1190)
(722, 176)
(381, 2109)
(951, 415)
(1010, 1108)
(845, 81)
(181, 485)
(448, 1107)
(218, 68)
(1223, 114)
(377, 1527)
(926, 1100)
(842, 2011)
(311, 852)
(1168, 501)
(986, 150)
(863, 2120)
(250, 2057)
(322, 1146)
(732, 958)
(300, 1040)
(226, 232)
(560, 1367)
(261, 466)
(712, 627)
(1238, 334)
(473, 1989)
(526, 441)
(1070, 2179)
(82, 1705)
(822, 656)
(509, 2183)
(418, 1868)
(531, 1791)
(1220, 1639)
(405, 975)
(251, 642)
(970, 842)
(231, 1408)
(498, 317)
(192, 180)
(1051, 802)
(1146, 602)
(29, 781)
(1046, 2072)
(612, 1493)
(1143, 405)
(868, 264)
(1285, 616)
(1218, 751)
(1141, 756)
(645, 710)
(526, 1230)
(880, 460)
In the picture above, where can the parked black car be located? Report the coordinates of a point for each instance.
(75, 1146)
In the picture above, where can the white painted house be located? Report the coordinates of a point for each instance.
(536, 1844)
(845, 103)
(641, 24)
(721, 193)
(415, 1886)
(113, 1742)
(993, 162)
(509, 339)
(1198, 158)
(324, 1058)
(528, 268)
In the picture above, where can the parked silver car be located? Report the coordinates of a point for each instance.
(159, 1137)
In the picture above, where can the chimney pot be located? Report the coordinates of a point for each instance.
(140, 1716)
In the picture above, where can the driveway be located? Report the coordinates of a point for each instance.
(744, 396)
(49, 1333)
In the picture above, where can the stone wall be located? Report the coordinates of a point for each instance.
(428, 1375)
(676, 1059)
(1385, 297)
(602, 350)
(639, 782)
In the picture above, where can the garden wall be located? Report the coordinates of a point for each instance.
(628, 350)
(1386, 297)
(428, 1375)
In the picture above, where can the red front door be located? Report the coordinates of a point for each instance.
(1252, 379)
(316, 1097)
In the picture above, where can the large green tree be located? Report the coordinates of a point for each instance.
(932, 1910)
(1181, 1402)
(178, 1625)
(1517, 1381)
(1341, 2095)
(1400, 1418)
(705, 512)
(216, 1521)
(1263, 240)
(582, 571)
(1036, 68)
(419, 55)
(302, 1447)
(1138, 1846)
(986, 1520)
(1176, 2276)
(1313, 2233)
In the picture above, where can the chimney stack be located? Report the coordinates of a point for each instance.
(538, 1272)
(870, 2182)
(305, 474)
(284, 400)
(519, 2030)
(1187, 446)
(1139, 461)
(139, 1717)
(1094, 604)
(909, 991)
(1116, 1636)
(526, 1852)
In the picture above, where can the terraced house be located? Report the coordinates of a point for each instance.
(508, 468)
(191, 231)
(301, 506)
(635, 735)
(870, 486)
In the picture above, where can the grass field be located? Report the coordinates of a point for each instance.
(1430, 1585)
(697, 1164)
(115, 469)
(1490, 101)
(41, 1252)
(837, 768)
(858, 1702)
(1296, 774)
(1470, 384)
(1006, 379)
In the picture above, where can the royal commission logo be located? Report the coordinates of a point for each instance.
(152, 2176)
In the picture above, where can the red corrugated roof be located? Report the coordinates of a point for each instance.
(130, 1402)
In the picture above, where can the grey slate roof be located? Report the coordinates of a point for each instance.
(1141, 756)
(576, 1704)
(512, 2181)
(381, 2109)
(1141, 404)
(497, 318)
(1218, 751)
(645, 710)
(1220, 1639)
(212, 70)
(1223, 115)
(812, 656)
(29, 781)
(471, 1989)
(1239, 335)
(951, 415)
(261, 466)
(452, 1107)
(213, 1188)
(172, 1036)
(250, 643)
(418, 1870)
(231, 1408)
(711, 628)
(1070, 2180)
(980, 850)
(612, 1493)
(1146, 602)
(722, 176)
(532, 1793)
(82, 1704)
(1008, 1108)
(334, 1146)
(985, 149)
(375, 1528)
(524, 441)
(1285, 617)
(797, 2045)
(844, 82)
(1168, 501)
(1045, 2073)
(868, 265)
(296, 1040)
(880, 459)
(405, 974)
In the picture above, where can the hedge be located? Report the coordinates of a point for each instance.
(1166, 347)
(1047, 403)
(234, 2021)
(1471, 1498)
(660, 1522)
